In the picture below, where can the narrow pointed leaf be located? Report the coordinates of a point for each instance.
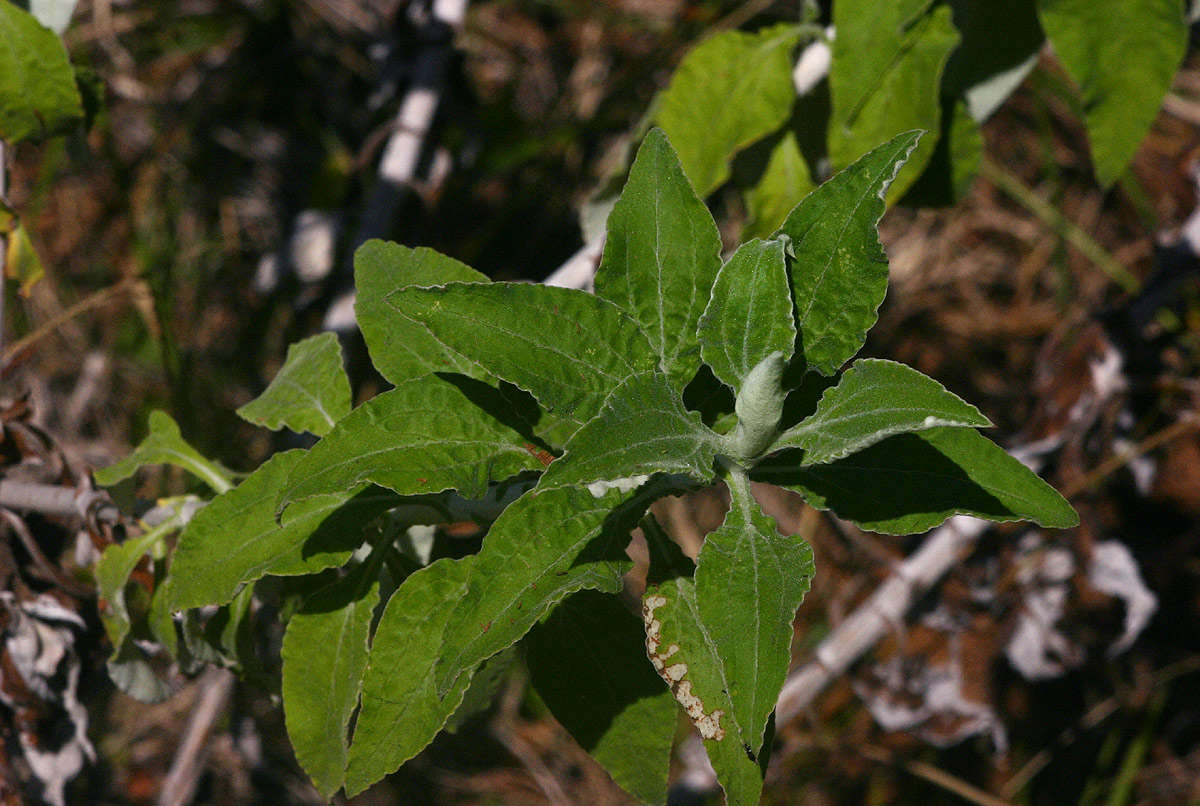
(566, 347)
(874, 400)
(749, 581)
(750, 313)
(38, 96)
(543, 547)
(696, 111)
(661, 254)
(324, 656)
(165, 445)
(401, 348)
(588, 664)
(888, 61)
(642, 429)
(785, 181)
(839, 270)
(401, 710)
(309, 393)
(685, 656)
(1123, 62)
(909, 483)
(236, 538)
(424, 436)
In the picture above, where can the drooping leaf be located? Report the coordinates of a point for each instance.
(309, 393)
(642, 429)
(424, 436)
(566, 347)
(400, 348)
(588, 664)
(661, 255)
(38, 96)
(165, 445)
(749, 581)
(401, 710)
(784, 183)
(324, 656)
(1123, 63)
(886, 77)
(236, 538)
(909, 483)
(112, 573)
(685, 656)
(1000, 43)
(874, 400)
(838, 267)
(749, 315)
(543, 547)
(732, 89)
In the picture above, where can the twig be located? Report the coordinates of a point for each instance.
(1060, 224)
(130, 285)
(180, 784)
(58, 501)
(1114, 463)
(934, 775)
(502, 729)
(49, 571)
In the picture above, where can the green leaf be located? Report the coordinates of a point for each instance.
(487, 682)
(236, 538)
(642, 429)
(839, 269)
(401, 711)
(954, 163)
(324, 656)
(759, 408)
(21, 261)
(588, 664)
(732, 89)
(887, 68)
(874, 400)
(543, 547)
(112, 573)
(401, 348)
(784, 183)
(685, 656)
(309, 393)
(424, 436)
(165, 445)
(661, 254)
(909, 483)
(749, 581)
(38, 96)
(566, 347)
(1123, 61)
(749, 315)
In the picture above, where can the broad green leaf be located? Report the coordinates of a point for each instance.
(839, 270)
(642, 429)
(236, 538)
(401, 348)
(424, 436)
(888, 60)
(874, 400)
(310, 392)
(732, 89)
(661, 254)
(324, 656)
(543, 547)
(401, 710)
(38, 96)
(566, 347)
(749, 315)
(588, 664)
(749, 581)
(686, 657)
(909, 483)
(1000, 43)
(1123, 60)
(165, 445)
(784, 183)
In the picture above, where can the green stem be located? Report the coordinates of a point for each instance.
(1066, 229)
